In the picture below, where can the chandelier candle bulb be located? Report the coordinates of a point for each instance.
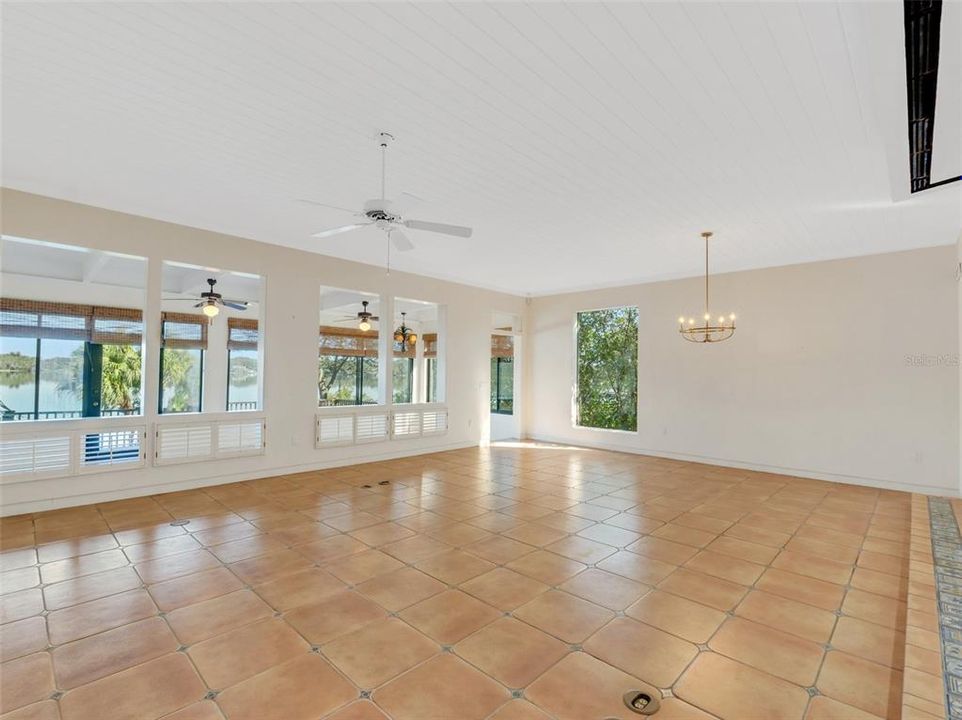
(707, 333)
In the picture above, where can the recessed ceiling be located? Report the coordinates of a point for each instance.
(586, 144)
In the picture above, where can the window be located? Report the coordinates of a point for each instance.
(183, 342)
(502, 374)
(417, 363)
(607, 369)
(61, 360)
(242, 364)
(347, 367)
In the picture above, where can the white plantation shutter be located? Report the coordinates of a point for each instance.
(183, 443)
(434, 422)
(30, 455)
(406, 424)
(370, 427)
(240, 438)
(112, 449)
(334, 430)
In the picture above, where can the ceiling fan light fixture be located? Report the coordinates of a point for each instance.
(210, 310)
(364, 325)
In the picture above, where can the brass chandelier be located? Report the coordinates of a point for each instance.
(709, 331)
(405, 336)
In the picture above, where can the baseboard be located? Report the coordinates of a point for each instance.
(880, 483)
(30, 506)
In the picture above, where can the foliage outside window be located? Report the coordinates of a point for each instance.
(243, 374)
(607, 369)
(347, 367)
(61, 360)
(502, 374)
(183, 343)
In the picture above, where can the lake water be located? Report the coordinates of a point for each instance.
(20, 398)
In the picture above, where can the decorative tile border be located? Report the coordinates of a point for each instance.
(947, 557)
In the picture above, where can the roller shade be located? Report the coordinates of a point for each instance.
(117, 326)
(346, 341)
(183, 331)
(68, 321)
(502, 346)
(430, 345)
(242, 334)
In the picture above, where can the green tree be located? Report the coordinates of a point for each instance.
(607, 391)
(120, 377)
(180, 380)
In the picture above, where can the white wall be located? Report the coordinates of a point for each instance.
(291, 305)
(818, 381)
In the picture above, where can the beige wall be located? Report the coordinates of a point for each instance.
(820, 379)
(292, 281)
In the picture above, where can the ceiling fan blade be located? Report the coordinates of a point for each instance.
(455, 230)
(338, 230)
(325, 205)
(201, 304)
(375, 318)
(234, 305)
(401, 241)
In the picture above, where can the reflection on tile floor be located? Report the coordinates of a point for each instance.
(506, 583)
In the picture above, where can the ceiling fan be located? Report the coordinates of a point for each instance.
(363, 317)
(211, 302)
(387, 215)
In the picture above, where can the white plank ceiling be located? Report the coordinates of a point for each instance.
(587, 144)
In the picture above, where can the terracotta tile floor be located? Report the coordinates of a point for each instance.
(506, 583)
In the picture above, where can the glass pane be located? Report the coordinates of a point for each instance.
(18, 363)
(403, 379)
(607, 394)
(494, 384)
(432, 390)
(336, 380)
(181, 379)
(120, 380)
(242, 380)
(61, 379)
(506, 385)
(369, 382)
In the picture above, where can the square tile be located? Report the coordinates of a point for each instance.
(444, 687)
(642, 651)
(204, 620)
(83, 661)
(400, 589)
(228, 659)
(512, 652)
(686, 619)
(546, 567)
(503, 588)
(358, 567)
(378, 652)
(450, 616)
(564, 616)
(863, 684)
(304, 688)
(707, 590)
(136, 692)
(454, 567)
(299, 588)
(581, 687)
(769, 650)
(805, 621)
(339, 614)
(581, 549)
(604, 588)
(733, 691)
